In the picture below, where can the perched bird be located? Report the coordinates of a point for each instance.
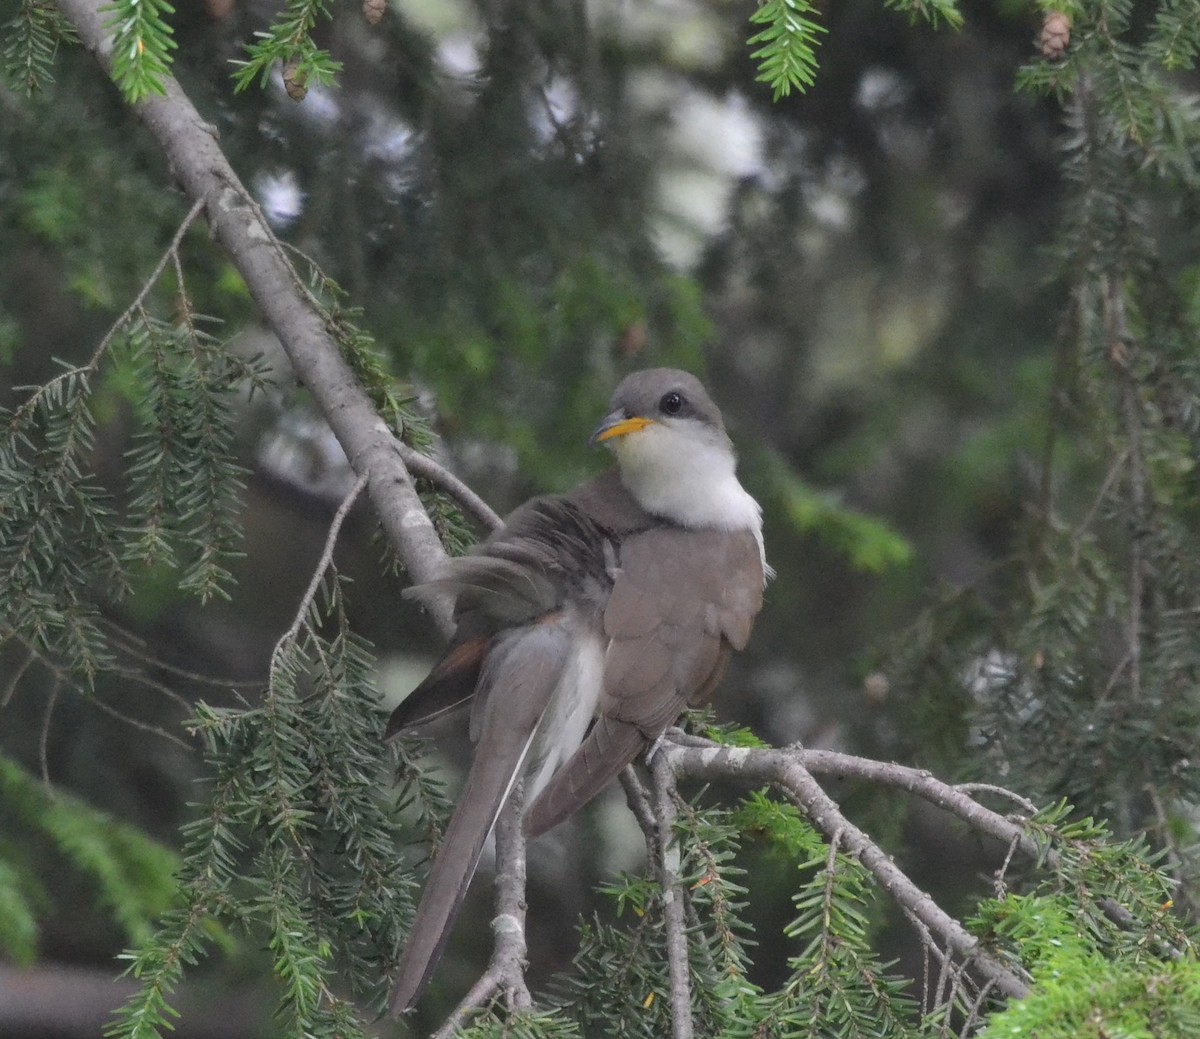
(615, 606)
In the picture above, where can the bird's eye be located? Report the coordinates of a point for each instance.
(671, 403)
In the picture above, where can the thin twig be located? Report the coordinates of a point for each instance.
(639, 803)
(674, 916)
(162, 688)
(1119, 344)
(441, 477)
(14, 680)
(44, 738)
(65, 678)
(133, 646)
(314, 584)
(972, 1016)
(1077, 539)
(1174, 858)
(998, 884)
(122, 321)
(1000, 791)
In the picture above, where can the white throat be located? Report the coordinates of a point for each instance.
(688, 474)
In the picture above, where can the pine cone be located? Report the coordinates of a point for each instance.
(373, 10)
(295, 82)
(1056, 34)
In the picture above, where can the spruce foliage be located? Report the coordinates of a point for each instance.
(295, 842)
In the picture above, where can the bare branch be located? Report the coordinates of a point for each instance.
(787, 770)
(506, 969)
(949, 797)
(667, 855)
(480, 995)
(442, 478)
(509, 953)
(314, 583)
(639, 803)
(133, 646)
(44, 739)
(1120, 344)
(63, 677)
(14, 679)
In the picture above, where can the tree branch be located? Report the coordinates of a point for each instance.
(787, 770)
(506, 969)
(674, 917)
(954, 799)
(318, 576)
(509, 952)
(1120, 345)
(441, 477)
(205, 174)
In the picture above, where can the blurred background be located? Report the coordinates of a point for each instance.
(529, 200)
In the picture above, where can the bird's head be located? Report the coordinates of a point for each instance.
(672, 450)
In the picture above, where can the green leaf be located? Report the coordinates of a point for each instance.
(142, 44)
(787, 43)
(868, 543)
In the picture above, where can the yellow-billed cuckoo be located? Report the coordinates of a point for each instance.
(619, 602)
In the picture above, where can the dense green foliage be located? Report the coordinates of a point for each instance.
(295, 845)
(133, 876)
(1091, 691)
(1096, 970)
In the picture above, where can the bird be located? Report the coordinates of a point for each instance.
(586, 625)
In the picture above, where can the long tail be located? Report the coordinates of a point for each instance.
(519, 678)
(609, 747)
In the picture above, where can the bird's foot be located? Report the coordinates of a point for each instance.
(654, 747)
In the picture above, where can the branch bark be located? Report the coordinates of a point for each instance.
(788, 771)
(505, 971)
(674, 916)
(201, 168)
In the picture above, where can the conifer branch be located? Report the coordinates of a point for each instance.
(788, 769)
(201, 167)
(288, 638)
(47, 388)
(956, 799)
(441, 477)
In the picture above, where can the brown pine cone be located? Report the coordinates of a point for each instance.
(1056, 35)
(295, 82)
(373, 10)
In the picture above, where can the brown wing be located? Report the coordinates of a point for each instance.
(548, 549)
(681, 600)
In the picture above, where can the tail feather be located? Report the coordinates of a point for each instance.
(450, 685)
(518, 680)
(449, 879)
(609, 747)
